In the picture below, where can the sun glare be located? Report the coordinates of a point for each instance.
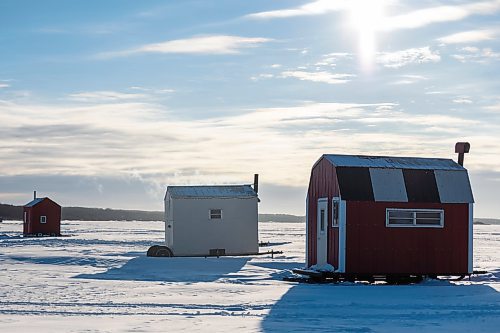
(366, 16)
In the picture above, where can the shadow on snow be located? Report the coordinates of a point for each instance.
(183, 269)
(348, 307)
(67, 240)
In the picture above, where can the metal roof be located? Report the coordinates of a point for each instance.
(34, 202)
(212, 191)
(393, 162)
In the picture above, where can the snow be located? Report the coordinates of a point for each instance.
(393, 162)
(99, 280)
(212, 191)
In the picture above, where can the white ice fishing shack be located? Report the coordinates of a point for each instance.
(212, 220)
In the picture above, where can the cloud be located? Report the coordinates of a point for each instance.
(331, 59)
(409, 56)
(157, 91)
(324, 77)
(409, 79)
(426, 16)
(261, 76)
(218, 44)
(5, 84)
(471, 36)
(476, 55)
(104, 96)
(462, 100)
(495, 108)
(312, 8)
(413, 19)
(132, 139)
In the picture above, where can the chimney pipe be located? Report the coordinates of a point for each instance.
(34, 195)
(256, 183)
(461, 148)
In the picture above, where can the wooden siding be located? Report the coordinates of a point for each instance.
(323, 184)
(46, 208)
(373, 248)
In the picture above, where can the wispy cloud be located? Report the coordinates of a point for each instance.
(409, 56)
(426, 16)
(493, 108)
(4, 85)
(313, 8)
(261, 76)
(413, 19)
(159, 91)
(409, 79)
(128, 137)
(104, 96)
(472, 36)
(218, 44)
(332, 59)
(462, 100)
(476, 55)
(322, 76)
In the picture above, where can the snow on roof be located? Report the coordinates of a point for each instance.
(34, 202)
(212, 191)
(393, 162)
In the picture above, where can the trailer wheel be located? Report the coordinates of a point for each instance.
(164, 251)
(159, 251)
(152, 251)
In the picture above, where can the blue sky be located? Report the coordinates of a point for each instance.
(104, 103)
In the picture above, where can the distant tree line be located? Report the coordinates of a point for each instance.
(281, 218)
(106, 214)
(11, 212)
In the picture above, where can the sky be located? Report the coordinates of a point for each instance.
(105, 103)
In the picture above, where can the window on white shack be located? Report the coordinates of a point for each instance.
(396, 217)
(215, 214)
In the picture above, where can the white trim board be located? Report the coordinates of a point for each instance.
(307, 231)
(470, 261)
(342, 235)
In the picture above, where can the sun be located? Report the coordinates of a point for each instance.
(366, 18)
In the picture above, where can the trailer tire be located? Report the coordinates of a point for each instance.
(152, 251)
(159, 251)
(164, 251)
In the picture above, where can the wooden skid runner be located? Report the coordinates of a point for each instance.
(313, 276)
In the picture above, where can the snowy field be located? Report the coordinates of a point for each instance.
(99, 280)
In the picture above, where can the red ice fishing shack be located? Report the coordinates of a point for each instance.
(377, 215)
(42, 217)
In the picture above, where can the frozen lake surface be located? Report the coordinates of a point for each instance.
(99, 280)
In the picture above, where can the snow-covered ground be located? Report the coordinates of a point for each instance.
(99, 280)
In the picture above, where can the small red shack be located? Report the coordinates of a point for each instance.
(42, 217)
(391, 216)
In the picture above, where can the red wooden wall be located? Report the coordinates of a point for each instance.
(46, 208)
(373, 248)
(323, 184)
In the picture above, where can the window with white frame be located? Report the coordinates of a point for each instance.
(396, 217)
(43, 219)
(335, 213)
(215, 214)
